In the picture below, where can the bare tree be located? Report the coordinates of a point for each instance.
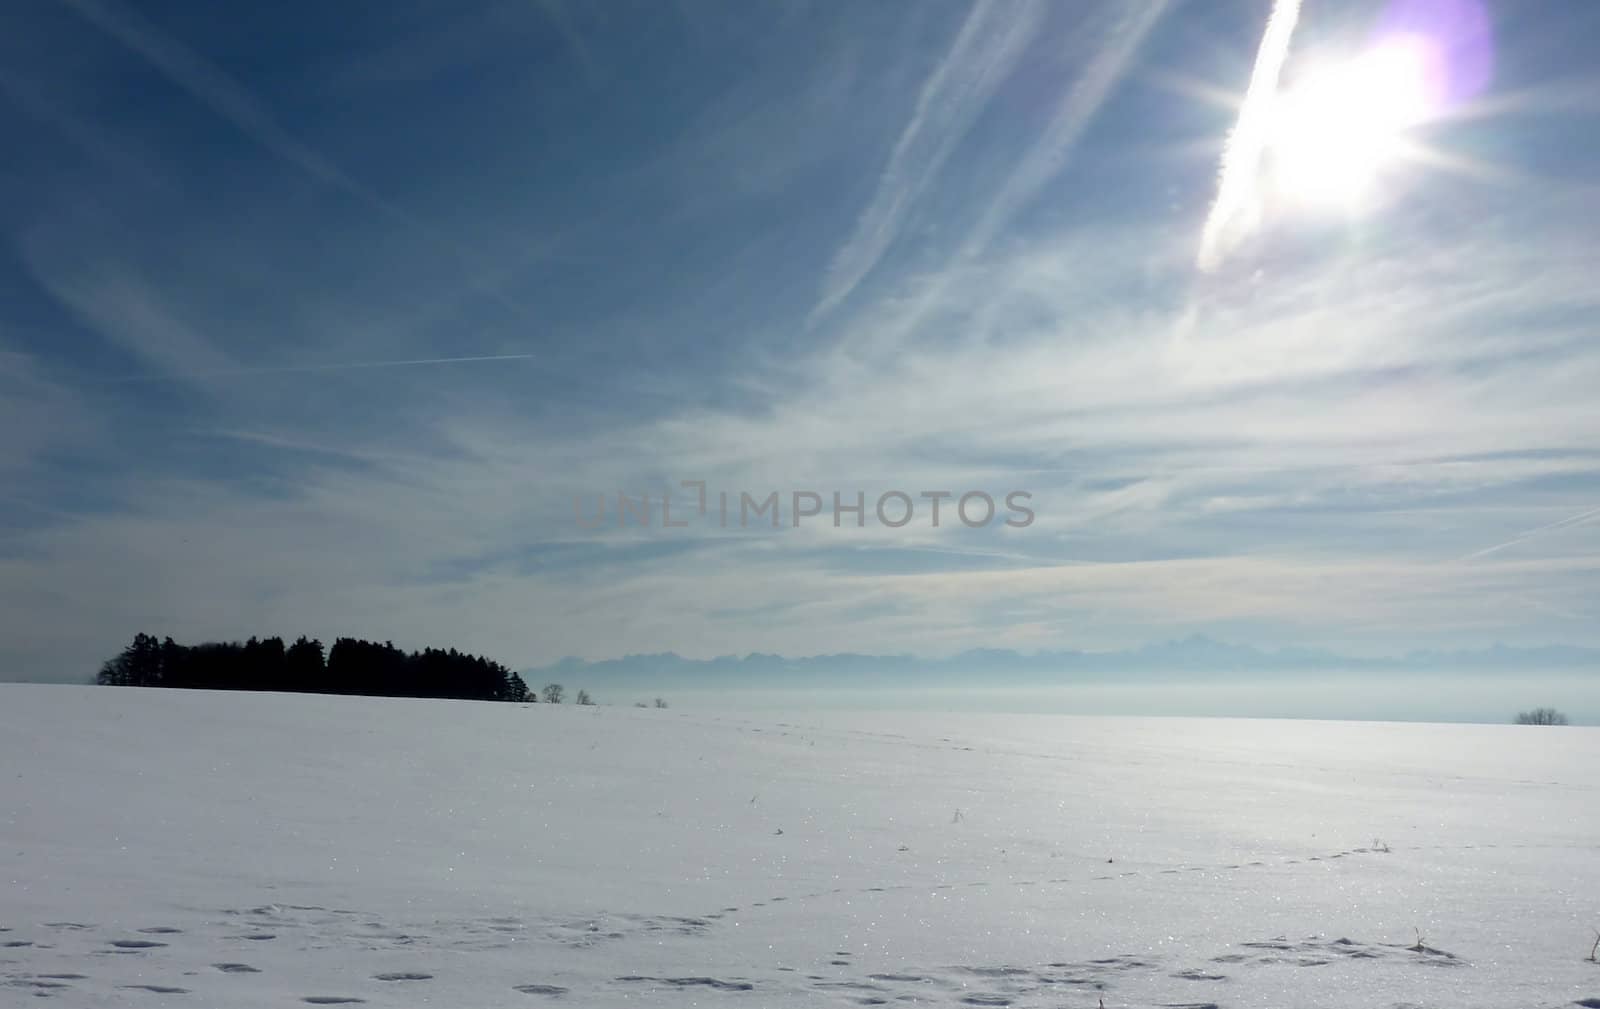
(660, 703)
(553, 693)
(1541, 716)
(584, 698)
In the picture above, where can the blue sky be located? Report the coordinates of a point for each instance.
(776, 247)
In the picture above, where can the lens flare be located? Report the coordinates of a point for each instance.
(1336, 132)
(1319, 137)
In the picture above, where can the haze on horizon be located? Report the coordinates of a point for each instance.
(341, 321)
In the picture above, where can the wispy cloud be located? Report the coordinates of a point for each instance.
(1322, 457)
(39, 417)
(213, 88)
(314, 369)
(1571, 520)
(234, 103)
(124, 309)
(983, 54)
(1106, 54)
(1163, 499)
(1234, 212)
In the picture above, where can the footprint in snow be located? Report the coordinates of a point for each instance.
(159, 989)
(908, 978)
(691, 982)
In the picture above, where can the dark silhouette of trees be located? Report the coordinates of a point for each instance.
(520, 692)
(304, 665)
(553, 693)
(351, 666)
(141, 664)
(138, 665)
(584, 699)
(1541, 716)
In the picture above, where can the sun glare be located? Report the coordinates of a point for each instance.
(1336, 132)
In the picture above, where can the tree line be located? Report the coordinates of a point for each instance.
(351, 666)
(1541, 716)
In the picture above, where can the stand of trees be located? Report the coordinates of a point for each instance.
(1541, 716)
(351, 666)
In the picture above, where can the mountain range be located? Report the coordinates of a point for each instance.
(1163, 661)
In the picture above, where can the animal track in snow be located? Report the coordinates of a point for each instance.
(1013, 984)
(707, 919)
(1315, 951)
(692, 982)
(159, 989)
(40, 985)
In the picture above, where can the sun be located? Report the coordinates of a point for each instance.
(1338, 131)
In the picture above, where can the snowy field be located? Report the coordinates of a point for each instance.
(167, 848)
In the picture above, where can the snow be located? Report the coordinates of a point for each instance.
(174, 848)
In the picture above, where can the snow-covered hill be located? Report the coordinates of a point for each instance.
(226, 850)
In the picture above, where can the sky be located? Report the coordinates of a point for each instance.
(341, 319)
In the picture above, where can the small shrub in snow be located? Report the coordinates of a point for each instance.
(1541, 716)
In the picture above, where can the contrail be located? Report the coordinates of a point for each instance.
(230, 100)
(1233, 215)
(1113, 49)
(985, 51)
(292, 369)
(1570, 520)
